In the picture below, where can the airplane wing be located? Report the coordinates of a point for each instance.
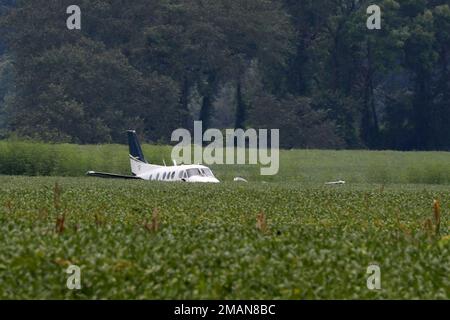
(110, 175)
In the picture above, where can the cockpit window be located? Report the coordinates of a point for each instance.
(207, 172)
(193, 172)
(203, 172)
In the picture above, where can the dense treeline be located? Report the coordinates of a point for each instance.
(309, 67)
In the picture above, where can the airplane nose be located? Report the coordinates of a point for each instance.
(210, 180)
(204, 179)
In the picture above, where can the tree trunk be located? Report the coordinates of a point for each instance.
(241, 111)
(184, 100)
(205, 112)
(208, 94)
(370, 126)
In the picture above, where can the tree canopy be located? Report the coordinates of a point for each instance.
(310, 68)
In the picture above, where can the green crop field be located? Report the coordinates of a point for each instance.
(282, 237)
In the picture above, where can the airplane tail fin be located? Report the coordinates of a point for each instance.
(135, 146)
(137, 160)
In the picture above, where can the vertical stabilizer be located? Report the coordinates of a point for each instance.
(135, 146)
(139, 165)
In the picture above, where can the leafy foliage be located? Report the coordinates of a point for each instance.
(156, 66)
(224, 241)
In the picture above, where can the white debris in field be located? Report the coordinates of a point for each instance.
(239, 179)
(335, 182)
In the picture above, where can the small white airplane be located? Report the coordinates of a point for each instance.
(143, 170)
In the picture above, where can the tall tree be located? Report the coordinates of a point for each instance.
(204, 44)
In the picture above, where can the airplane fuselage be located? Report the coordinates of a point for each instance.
(185, 173)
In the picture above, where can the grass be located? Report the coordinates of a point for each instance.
(282, 240)
(278, 237)
(306, 166)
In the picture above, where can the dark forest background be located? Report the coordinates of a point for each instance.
(308, 67)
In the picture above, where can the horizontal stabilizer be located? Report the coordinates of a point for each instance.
(110, 175)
